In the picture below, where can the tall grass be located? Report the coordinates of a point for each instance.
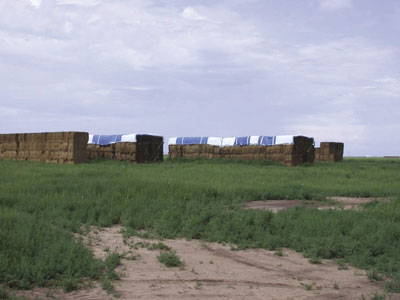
(41, 204)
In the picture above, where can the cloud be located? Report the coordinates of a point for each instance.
(386, 87)
(344, 62)
(84, 3)
(36, 3)
(155, 65)
(191, 13)
(332, 5)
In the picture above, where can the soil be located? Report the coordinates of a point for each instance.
(215, 271)
(333, 203)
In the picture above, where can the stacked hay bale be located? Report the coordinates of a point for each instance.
(8, 146)
(101, 152)
(149, 148)
(301, 151)
(54, 147)
(146, 148)
(175, 151)
(329, 151)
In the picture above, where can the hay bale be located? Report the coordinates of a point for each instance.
(331, 151)
(216, 152)
(261, 153)
(149, 148)
(225, 152)
(79, 142)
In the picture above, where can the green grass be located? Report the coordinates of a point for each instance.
(41, 205)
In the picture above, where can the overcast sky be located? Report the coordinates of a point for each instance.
(329, 69)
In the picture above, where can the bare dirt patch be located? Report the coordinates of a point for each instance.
(334, 203)
(214, 271)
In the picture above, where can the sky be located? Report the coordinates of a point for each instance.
(328, 69)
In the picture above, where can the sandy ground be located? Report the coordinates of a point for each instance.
(214, 271)
(336, 202)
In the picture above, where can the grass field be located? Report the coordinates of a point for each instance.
(42, 205)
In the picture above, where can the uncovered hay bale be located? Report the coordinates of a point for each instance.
(330, 151)
(303, 150)
(174, 151)
(60, 147)
(149, 148)
(225, 152)
(235, 152)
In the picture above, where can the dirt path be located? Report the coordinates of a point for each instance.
(214, 271)
(336, 202)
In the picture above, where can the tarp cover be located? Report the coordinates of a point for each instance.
(233, 141)
(101, 139)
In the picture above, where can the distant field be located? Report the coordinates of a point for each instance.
(41, 205)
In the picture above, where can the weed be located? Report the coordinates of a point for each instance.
(68, 285)
(373, 276)
(308, 286)
(142, 245)
(3, 293)
(170, 259)
(315, 260)
(336, 286)
(378, 296)
(279, 253)
(42, 204)
(393, 286)
(198, 285)
(342, 265)
(132, 257)
(158, 246)
(107, 285)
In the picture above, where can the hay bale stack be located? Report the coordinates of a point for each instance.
(330, 151)
(77, 143)
(225, 153)
(191, 151)
(54, 147)
(9, 146)
(125, 151)
(174, 151)
(217, 152)
(300, 151)
(260, 153)
(304, 151)
(100, 151)
(235, 152)
(317, 154)
(149, 148)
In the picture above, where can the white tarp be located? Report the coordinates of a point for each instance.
(254, 140)
(128, 138)
(215, 141)
(172, 141)
(228, 141)
(284, 139)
